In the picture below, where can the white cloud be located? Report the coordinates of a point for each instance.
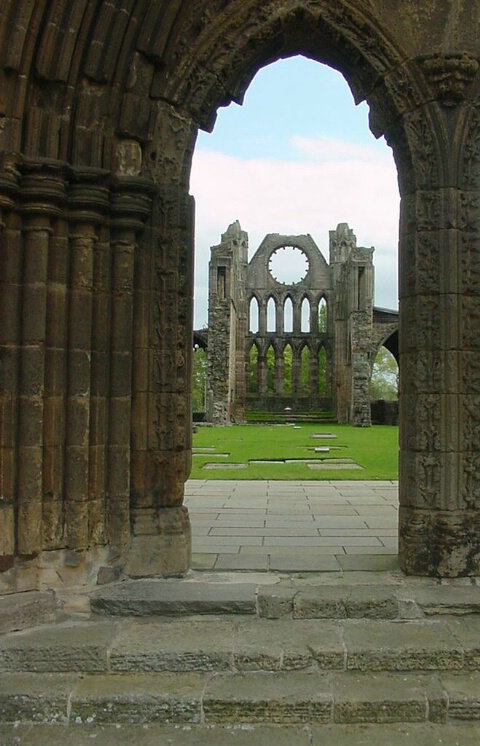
(340, 182)
(331, 149)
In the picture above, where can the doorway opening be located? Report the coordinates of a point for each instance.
(290, 162)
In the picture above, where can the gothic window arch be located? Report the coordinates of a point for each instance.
(253, 315)
(288, 368)
(305, 369)
(288, 314)
(253, 369)
(322, 315)
(271, 315)
(322, 371)
(305, 315)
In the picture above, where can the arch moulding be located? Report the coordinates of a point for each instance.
(99, 109)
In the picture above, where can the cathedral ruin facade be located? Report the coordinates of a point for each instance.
(303, 343)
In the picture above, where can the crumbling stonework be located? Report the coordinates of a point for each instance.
(100, 103)
(331, 310)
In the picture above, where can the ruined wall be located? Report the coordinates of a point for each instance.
(346, 286)
(226, 324)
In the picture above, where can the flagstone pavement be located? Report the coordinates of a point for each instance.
(307, 526)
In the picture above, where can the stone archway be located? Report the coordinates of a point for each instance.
(100, 104)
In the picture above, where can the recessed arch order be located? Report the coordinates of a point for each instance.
(101, 104)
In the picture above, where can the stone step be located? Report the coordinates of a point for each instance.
(23, 610)
(393, 734)
(290, 598)
(249, 698)
(233, 645)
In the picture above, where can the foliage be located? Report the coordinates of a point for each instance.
(322, 316)
(252, 373)
(384, 381)
(252, 368)
(374, 448)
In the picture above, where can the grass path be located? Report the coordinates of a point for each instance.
(287, 447)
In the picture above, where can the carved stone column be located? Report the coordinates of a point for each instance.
(130, 206)
(262, 373)
(296, 370)
(262, 318)
(43, 192)
(313, 377)
(84, 491)
(161, 541)
(10, 304)
(439, 529)
(279, 372)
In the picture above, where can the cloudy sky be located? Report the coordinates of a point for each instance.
(296, 158)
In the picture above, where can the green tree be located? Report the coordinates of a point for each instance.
(305, 370)
(288, 369)
(384, 381)
(322, 372)
(322, 315)
(253, 369)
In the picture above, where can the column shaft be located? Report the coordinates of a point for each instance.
(10, 337)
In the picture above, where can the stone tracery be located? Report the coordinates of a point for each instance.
(304, 308)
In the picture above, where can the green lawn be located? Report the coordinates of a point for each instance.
(375, 449)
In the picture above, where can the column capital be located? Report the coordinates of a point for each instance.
(43, 186)
(450, 75)
(9, 188)
(131, 199)
(88, 195)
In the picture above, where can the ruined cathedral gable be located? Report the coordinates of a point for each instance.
(289, 330)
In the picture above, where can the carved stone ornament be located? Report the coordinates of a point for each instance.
(450, 75)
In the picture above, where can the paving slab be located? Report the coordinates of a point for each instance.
(402, 646)
(143, 598)
(265, 644)
(20, 610)
(346, 602)
(155, 735)
(303, 561)
(304, 532)
(138, 698)
(463, 693)
(444, 599)
(241, 562)
(368, 563)
(203, 560)
(383, 698)
(357, 549)
(174, 645)
(466, 629)
(411, 734)
(216, 547)
(68, 646)
(275, 698)
(34, 697)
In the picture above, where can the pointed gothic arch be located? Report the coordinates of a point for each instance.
(305, 314)
(253, 314)
(99, 116)
(271, 314)
(288, 314)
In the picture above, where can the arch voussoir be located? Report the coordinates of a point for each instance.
(100, 103)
